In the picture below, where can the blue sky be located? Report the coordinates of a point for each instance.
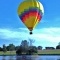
(12, 30)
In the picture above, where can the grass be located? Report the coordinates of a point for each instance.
(40, 52)
(49, 52)
(8, 53)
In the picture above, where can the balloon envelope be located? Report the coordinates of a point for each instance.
(30, 12)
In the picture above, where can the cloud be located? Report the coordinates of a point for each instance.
(10, 34)
(43, 36)
(23, 29)
(49, 34)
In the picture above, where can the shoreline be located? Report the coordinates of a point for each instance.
(40, 52)
(37, 54)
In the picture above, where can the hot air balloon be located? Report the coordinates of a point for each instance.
(30, 12)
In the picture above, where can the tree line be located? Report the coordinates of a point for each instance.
(25, 47)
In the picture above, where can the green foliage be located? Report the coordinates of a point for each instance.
(17, 47)
(58, 46)
(1, 49)
(39, 47)
(11, 47)
(24, 45)
(32, 50)
(19, 51)
(26, 49)
(4, 48)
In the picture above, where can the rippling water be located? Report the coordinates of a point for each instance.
(29, 57)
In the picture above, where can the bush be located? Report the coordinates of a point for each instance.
(32, 50)
(19, 51)
(1, 49)
(58, 47)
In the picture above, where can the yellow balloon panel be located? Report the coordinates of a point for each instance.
(30, 23)
(29, 4)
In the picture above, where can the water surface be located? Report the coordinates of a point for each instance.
(29, 57)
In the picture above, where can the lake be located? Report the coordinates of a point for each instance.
(29, 57)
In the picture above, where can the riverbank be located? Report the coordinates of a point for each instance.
(49, 52)
(40, 52)
(8, 53)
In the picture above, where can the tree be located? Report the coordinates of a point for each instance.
(58, 46)
(4, 48)
(31, 41)
(19, 51)
(32, 50)
(11, 47)
(49, 48)
(8, 48)
(1, 49)
(26, 49)
(24, 45)
(17, 47)
(39, 47)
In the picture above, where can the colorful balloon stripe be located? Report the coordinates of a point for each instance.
(30, 12)
(32, 9)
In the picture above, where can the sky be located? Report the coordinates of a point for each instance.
(12, 30)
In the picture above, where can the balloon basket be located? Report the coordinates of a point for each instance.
(31, 33)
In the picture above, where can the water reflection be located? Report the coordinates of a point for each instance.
(24, 57)
(29, 57)
(49, 58)
(58, 59)
(3, 58)
(11, 58)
